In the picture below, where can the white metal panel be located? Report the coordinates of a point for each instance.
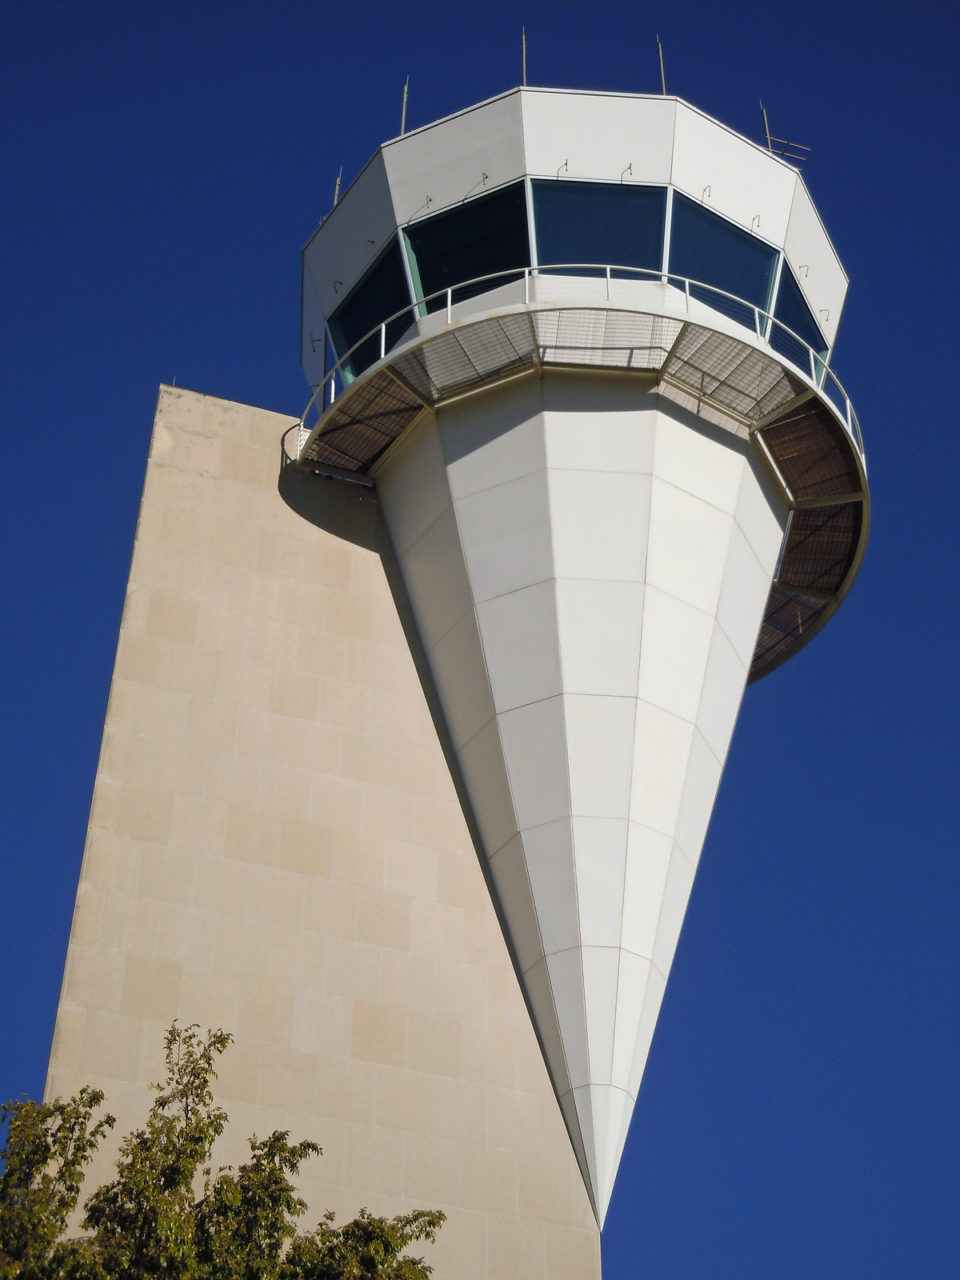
(539, 990)
(566, 978)
(815, 264)
(509, 872)
(652, 1000)
(673, 653)
(484, 773)
(535, 751)
(632, 983)
(705, 462)
(600, 848)
(761, 513)
(437, 585)
(648, 857)
(599, 426)
(411, 506)
(723, 687)
(521, 645)
(699, 793)
(742, 597)
(599, 521)
(599, 734)
(600, 966)
(570, 134)
(443, 164)
(673, 908)
(351, 236)
(553, 876)
(506, 537)
(660, 754)
(688, 546)
(732, 176)
(600, 626)
(493, 437)
(460, 674)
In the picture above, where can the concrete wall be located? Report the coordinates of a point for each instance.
(275, 847)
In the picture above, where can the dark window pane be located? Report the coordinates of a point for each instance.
(379, 294)
(606, 223)
(478, 238)
(704, 246)
(792, 310)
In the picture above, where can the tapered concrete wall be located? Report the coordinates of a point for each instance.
(275, 847)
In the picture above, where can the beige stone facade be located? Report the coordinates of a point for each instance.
(275, 847)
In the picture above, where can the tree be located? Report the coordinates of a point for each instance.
(46, 1149)
(165, 1214)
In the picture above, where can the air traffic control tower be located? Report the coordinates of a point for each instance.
(579, 345)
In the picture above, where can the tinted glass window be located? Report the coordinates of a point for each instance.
(478, 238)
(793, 311)
(380, 293)
(600, 222)
(704, 246)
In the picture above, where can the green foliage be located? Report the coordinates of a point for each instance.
(367, 1248)
(164, 1214)
(46, 1149)
(245, 1219)
(143, 1221)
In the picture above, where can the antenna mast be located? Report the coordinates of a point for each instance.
(403, 109)
(663, 78)
(523, 50)
(786, 150)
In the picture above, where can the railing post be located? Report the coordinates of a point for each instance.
(526, 285)
(813, 365)
(756, 321)
(686, 293)
(383, 341)
(608, 282)
(449, 306)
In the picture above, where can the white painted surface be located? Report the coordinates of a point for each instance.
(587, 598)
(459, 669)
(519, 632)
(506, 536)
(818, 270)
(352, 235)
(600, 625)
(597, 136)
(745, 181)
(446, 161)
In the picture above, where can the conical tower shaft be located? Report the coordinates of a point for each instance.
(588, 566)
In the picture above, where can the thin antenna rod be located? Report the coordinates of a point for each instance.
(523, 48)
(336, 187)
(663, 78)
(403, 109)
(785, 149)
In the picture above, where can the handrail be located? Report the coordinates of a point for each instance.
(764, 323)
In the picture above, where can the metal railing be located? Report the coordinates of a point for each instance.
(765, 326)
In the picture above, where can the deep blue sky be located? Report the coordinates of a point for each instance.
(162, 167)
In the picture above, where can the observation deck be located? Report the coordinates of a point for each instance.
(759, 380)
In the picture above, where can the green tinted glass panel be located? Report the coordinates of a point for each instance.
(706, 247)
(380, 293)
(474, 239)
(599, 222)
(792, 310)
